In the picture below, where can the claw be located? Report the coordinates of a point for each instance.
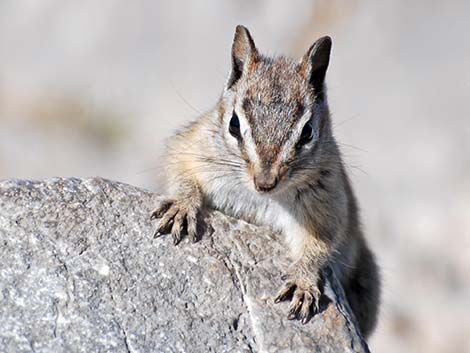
(296, 304)
(285, 291)
(305, 310)
(177, 225)
(291, 316)
(160, 210)
(176, 239)
(176, 215)
(316, 304)
(305, 297)
(167, 220)
(164, 226)
(192, 226)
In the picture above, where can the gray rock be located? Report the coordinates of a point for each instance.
(81, 272)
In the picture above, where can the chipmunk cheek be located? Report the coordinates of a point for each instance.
(249, 169)
(283, 170)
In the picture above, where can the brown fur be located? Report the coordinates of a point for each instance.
(312, 203)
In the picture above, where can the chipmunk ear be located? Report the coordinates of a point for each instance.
(244, 54)
(315, 62)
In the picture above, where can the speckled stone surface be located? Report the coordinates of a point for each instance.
(81, 272)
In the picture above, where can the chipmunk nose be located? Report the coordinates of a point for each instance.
(265, 182)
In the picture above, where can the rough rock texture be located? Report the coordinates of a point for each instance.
(80, 272)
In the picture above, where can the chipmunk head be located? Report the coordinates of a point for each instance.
(275, 110)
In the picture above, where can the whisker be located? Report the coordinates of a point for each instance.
(184, 99)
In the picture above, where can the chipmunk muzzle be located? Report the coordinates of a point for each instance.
(265, 181)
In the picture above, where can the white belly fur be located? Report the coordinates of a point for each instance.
(241, 202)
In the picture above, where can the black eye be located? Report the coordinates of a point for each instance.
(306, 135)
(234, 127)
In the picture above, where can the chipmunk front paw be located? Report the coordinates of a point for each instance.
(305, 292)
(176, 213)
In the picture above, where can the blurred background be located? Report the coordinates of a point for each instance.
(92, 88)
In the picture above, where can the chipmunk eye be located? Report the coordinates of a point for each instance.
(234, 126)
(306, 135)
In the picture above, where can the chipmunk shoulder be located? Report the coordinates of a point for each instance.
(266, 154)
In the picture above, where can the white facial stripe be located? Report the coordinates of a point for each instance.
(244, 128)
(247, 137)
(289, 145)
(229, 97)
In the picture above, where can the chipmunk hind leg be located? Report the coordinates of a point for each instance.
(363, 292)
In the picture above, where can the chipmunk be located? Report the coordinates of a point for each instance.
(266, 154)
